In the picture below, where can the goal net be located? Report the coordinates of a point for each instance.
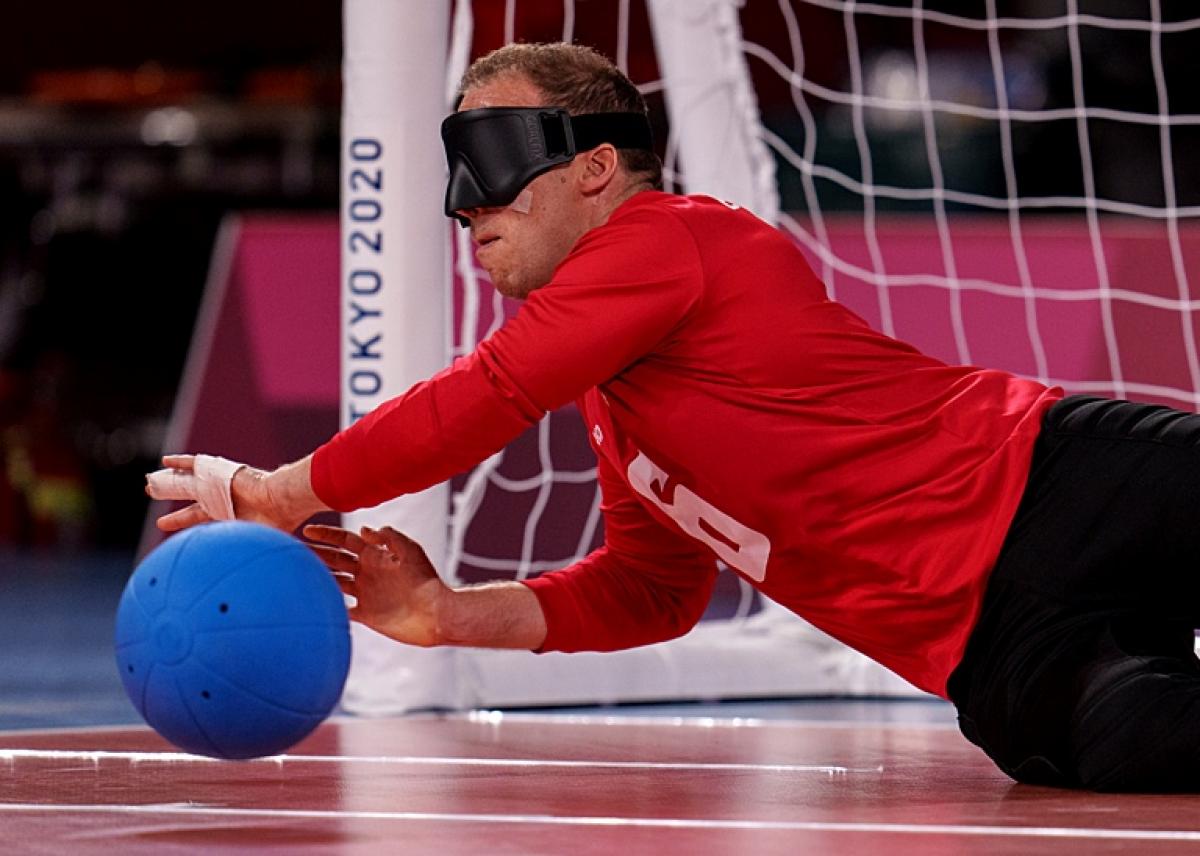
(995, 185)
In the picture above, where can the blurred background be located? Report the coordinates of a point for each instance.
(127, 131)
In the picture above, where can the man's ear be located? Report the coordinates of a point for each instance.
(600, 167)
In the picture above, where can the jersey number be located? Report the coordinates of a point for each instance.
(735, 544)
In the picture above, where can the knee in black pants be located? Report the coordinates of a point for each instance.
(1136, 727)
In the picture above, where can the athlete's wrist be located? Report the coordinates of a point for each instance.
(440, 607)
(283, 497)
(491, 615)
(294, 482)
(451, 620)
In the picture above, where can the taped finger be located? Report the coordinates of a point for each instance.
(207, 483)
(171, 484)
(214, 476)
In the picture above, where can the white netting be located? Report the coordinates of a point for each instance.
(1000, 183)
(979, 126)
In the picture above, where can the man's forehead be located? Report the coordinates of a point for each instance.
(503, 90)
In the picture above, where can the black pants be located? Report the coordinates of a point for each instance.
(1080, 671)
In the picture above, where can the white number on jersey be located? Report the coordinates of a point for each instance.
(736, 544)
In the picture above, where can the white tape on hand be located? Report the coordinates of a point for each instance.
(208, 484)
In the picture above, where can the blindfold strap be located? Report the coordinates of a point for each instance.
(623, 130)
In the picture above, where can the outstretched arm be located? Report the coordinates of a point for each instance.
(647, 583)
(600, 315)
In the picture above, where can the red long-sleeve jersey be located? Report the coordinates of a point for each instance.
(736, 413)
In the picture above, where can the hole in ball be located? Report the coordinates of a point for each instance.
(205, 694)
(131, 670)
(153, 580)
(224, 607)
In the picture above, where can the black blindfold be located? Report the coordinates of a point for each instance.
(493, 152)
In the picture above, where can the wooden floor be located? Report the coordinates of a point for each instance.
(527, 784)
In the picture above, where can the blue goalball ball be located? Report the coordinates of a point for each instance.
(233, 640)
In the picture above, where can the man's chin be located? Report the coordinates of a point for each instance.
(512, 288)
(512, 292)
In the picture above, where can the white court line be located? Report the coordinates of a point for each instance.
(642, 822)
(494, 717)
(13, 755)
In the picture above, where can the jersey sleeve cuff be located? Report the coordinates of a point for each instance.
(323, 481)
(557, 607)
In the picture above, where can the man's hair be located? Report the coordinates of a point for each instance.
(576, 78)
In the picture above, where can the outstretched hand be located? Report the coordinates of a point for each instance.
(398, 592)
(282, 499)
